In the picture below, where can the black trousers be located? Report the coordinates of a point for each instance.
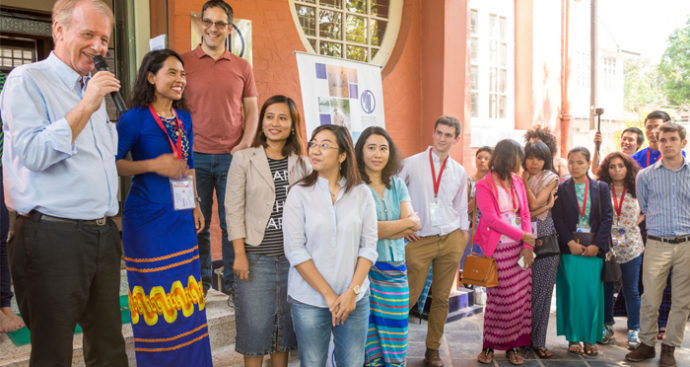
(66, 274)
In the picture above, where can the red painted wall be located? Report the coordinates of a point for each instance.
(423, 79)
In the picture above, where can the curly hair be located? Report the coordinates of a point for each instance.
(631, 167)
(543, 134)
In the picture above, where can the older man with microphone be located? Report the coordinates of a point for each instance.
(60, 178)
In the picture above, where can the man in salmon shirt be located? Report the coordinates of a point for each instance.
(220, 88)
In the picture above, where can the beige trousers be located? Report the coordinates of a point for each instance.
(444, 253)
(659, 257)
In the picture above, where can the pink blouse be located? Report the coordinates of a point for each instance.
(491, 227)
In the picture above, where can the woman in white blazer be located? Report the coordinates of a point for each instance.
(257, 185)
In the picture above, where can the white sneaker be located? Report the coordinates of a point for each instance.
(608, 335)
(633, 339)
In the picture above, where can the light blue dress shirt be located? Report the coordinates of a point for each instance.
(43, 169)
(387, 209)
(333, 236)
(664, 198)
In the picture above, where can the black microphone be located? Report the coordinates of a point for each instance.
(102, 65)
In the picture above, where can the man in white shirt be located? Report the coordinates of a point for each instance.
(438, 189)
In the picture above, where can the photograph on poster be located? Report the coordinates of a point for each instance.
(335, 111)
(339, 80)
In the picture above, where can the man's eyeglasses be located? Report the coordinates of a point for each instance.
(219, 24)
(322, 146)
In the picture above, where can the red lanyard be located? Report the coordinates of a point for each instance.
(176, 148)
(512, 195)
(618, 207)
(584, 201)
(436, 181)
(648, 157)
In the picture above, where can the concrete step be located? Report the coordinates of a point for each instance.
(221, 325)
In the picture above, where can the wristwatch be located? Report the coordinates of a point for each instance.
(357, 289)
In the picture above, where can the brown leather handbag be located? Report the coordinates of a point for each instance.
(479, 270)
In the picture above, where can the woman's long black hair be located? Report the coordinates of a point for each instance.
(144, 92)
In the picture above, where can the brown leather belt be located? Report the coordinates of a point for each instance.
(673, 240)
(49, 218)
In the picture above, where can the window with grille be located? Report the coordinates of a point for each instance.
(360, 30)
(13, 56)
(474, 63)
(498, 70)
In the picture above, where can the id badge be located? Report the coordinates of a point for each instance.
(516, 221)
(618, 236)
(436, 214)
(583, 229)
(183, 193)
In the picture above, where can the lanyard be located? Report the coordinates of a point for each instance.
(436, 181)
(512, 195)
(584, 201)
(176, 148)
(618, 207)
(648, 150)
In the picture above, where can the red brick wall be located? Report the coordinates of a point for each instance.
(414, 79)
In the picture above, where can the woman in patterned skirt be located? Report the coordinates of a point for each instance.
(541, 183)
(378, 161)
(504, 233)
(160, 219)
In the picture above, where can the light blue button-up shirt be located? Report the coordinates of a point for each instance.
(333, 236)
(43, 169)
(664, 198)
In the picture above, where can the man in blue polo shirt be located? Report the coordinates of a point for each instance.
(648, 156)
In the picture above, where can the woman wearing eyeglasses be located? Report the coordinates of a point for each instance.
(258, 183)
(330, 235)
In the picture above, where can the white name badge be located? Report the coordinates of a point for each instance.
(618, 236)
(183, 193)
(436, 214)
(516, 221)
(583, 229)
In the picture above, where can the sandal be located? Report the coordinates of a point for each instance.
(591, 349)
(542, 352)
(514, 357)
(486, 356)
(575, 348)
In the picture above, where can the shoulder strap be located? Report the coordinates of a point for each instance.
(473, 230)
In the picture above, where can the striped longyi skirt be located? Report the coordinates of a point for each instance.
(387, 335)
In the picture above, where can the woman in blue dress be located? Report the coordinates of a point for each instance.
(160, 219)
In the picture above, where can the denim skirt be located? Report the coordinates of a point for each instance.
(262, 312)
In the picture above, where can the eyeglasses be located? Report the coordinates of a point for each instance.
(219, 24)
(322, 146)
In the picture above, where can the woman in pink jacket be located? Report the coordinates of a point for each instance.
(504, 233)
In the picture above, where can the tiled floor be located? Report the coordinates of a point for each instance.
(462, 343)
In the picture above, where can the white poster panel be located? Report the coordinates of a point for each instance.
(342, 92)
